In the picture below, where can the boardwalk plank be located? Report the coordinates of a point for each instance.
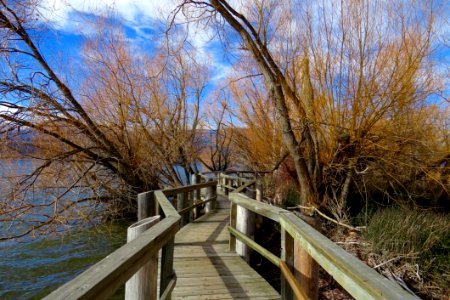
(205, 267)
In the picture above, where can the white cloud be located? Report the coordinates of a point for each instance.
(60, 12)
(145, 17)
(74, 16)
(7, 109)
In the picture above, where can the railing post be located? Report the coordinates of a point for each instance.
(167, 272)
(258, 196)
(306, 268)
(259, 189)
(190, 213)
(226, 181)
(287, 255)
(221, 182)
(147, 206)
(245, 223)
(196, 195)
(196, 178)
(233, 215)
(251, 193)
(143, 284)
(211, 192)
(182, 202)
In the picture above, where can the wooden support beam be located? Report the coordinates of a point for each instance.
(245, 223)
(147, 206)
(182, 202)
(167, 293)
(287, 255)
(233, 214)
(259, 190)
(143, 284)
(255, 246)
(306, 268)
(211, 191)
(167, 272)
(293, 283)
(190, 212)
(102, 279)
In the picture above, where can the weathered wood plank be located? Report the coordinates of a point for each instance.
(287, 255)
(266, 210)
(102, 279)
(227, 296)
(352, 274)
(143, 284)
(186, 189)
(167, 273)
(214, 280)
(233, 222)
(146, 205)
(255, 246)
(207, 270)
(293, 283)
(166, 207)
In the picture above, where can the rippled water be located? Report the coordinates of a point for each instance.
(32, 270)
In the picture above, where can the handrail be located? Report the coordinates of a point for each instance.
(189, 188)
(101, 280)
(361, 281)
(202, 202)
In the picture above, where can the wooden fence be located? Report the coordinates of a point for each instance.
(358, 279)
(102, 279)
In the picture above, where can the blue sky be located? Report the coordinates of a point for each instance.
(143, 22)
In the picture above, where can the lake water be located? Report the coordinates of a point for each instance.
(32, 269)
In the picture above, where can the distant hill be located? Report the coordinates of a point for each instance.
(20, 141)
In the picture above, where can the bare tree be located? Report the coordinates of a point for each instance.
(217, 151)
(99, 142)
(336, 73)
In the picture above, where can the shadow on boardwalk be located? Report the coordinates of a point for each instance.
(205, 267)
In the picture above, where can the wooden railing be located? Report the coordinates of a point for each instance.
(102, 279)
(361, 281)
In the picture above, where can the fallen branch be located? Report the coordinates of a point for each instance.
(313, 209)
(351, 243)
(393, 259)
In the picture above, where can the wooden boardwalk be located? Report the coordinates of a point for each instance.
(205, 267)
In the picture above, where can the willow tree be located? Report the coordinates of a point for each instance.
(338, 76)
(258, 142)
(99, 133)
(216, 150)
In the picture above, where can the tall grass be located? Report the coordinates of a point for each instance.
(418, 238)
